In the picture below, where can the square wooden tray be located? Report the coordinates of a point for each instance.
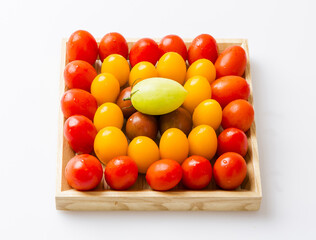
(140, 197)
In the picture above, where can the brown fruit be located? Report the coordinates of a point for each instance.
(180, 118)
(140, 124)
(126, 106)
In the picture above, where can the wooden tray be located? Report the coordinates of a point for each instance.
(140, 197)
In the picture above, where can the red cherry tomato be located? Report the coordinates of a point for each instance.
(113, 43)
(82, 46)
(83, 172)
(229, 88)
(80, 133)
(230, 170)
(79, 74)
(232, 61)
(125, 105)
(121, 173)
(144, 49)
(78, 102)
(203, 46)
(238, 114)
(232, 140)
(164, 174)
(173, 43)
(196, 172)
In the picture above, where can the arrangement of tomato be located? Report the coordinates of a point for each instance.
(171, 112)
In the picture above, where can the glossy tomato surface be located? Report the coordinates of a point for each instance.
(238, 114)
(203, 46)
(232, 61)
(83, 172)
(78, 102)
(113, 43)
(173, 43)
(121, 173)
(196, 172)
(230, 88)
(179, 118)
(79, 74)
(164, 174)
(230, 170)
(232, 140)
(80, 132)
(82, 46)
(125, 105)
(139, 124)
(144, 49)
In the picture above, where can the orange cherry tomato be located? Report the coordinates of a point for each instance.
(109, 143)
(174, 145)
(208, 112)
(144, 151)
(203, 141)
(199, 90)
(108, 114)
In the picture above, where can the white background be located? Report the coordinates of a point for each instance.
(282, 40)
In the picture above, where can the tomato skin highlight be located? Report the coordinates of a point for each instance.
(232, 140)
(78, 102)
(238, 114)
(229, 88)
(164, 174)
(79, 74)
(232, 61)
(144, 49)
(173, 43)
(121, 173)
(196, 172)
(203, 46)
(81, 45)
(230, 170)
(83, 172)
(80, 132)
(113, 43)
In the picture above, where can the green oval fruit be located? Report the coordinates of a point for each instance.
(157, 96)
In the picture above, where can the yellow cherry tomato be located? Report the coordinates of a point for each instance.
(108, 114)
(141, 71)
(109, 143)
(198, 89)
(118, 66)
(174, 145)
(208, 112)
(171, 65)
(144, 151)
(202, 67)
(105, 88)
(203, 141)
